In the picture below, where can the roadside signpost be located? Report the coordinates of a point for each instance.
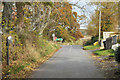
(59, 39)
(9, 40)
(53, 35)
(55, 38)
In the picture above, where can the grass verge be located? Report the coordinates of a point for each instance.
(24, 62)
(91, 47)
(109, 52)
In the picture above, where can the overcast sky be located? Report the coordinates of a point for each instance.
(88, 12)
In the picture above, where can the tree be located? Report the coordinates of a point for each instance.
(41, 16)
(7, 16)
(63, 17)
(109, 19)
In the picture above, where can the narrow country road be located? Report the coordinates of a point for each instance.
(69, 62)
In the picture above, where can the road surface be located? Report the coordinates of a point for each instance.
(69, 62)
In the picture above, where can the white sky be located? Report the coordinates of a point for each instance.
(89, 11)
(88, 8)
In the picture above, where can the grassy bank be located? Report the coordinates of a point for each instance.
(109, 52)
(78, 42)
(91, 47)
(26, 53)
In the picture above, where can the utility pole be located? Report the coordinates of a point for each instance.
(100, 23)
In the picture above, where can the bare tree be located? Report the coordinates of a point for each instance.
(40, 17)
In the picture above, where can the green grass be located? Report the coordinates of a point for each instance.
(16, 68)
(45, 47)
(109, 52)
(91, 47)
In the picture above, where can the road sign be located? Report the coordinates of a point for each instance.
(53, 35)
(55, 38)
(59, 39)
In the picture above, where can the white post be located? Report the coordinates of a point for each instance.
(53, 38)
(100, 23)
(53, 35)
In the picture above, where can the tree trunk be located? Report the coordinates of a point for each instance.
(7, 16)
(20, 16)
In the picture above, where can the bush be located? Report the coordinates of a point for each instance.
(90, 42)
(93, 39)
(117, 54)
(22, 38)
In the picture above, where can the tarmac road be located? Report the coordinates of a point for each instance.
(69, 62)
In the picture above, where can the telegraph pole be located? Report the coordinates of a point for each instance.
(100, 23)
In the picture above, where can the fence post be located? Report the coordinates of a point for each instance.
(7, 44)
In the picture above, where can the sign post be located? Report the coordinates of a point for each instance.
(55, 38)
(59, 39)
(53, 35)
(8, 41)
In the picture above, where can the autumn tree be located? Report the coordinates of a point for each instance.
(63, 16)
(109, 18)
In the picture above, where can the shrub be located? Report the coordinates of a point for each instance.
(90, 42)
(117, 54)
(33, 60)
(93, 39)
(22, 38)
